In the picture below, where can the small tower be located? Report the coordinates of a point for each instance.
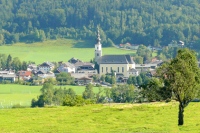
(98, 47)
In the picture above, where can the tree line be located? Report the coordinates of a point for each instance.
(7, 62)
(155, 22)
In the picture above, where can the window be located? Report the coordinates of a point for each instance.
(97, 54)
(122, 69)
(118, 69)
(110, 69)
(102, 69)
(106, 69)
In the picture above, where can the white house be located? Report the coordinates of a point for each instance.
(66, 67)
(46, 67)
(7, 76)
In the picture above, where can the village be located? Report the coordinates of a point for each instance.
(122, 66)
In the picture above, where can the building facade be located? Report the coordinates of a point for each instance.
(119, 64)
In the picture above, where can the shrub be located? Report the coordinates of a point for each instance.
(75, 101)
(18, 106)
(34, 103)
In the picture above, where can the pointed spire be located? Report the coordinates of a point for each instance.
(98, 36)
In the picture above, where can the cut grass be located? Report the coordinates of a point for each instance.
(123, 118)
(12, 94)
(57, 50)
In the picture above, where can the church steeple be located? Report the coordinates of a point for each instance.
(98, 50)
(98, 36)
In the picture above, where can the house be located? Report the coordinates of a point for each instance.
(47, 75)
(176, 44)
(83, 66)
(82, 77)
(148, 67)
(132, 72)
(40, 78)
(24, 75)
(46, 67)
(9, 76)
(66, 67)
(84, 80)
(134, 46)
(89, 72)
(32, 67)
(40, 72)
(74, 60)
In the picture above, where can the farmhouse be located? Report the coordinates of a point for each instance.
(120, 64)
(24, 75)
(46, 67)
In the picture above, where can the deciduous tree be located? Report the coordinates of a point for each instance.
(182, 76)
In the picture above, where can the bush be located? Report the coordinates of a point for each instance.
(38, 103)
(18, 106)
(76, 101)
(34, 103)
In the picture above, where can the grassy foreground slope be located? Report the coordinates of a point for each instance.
(12, 94)
(124, 118)
(57, 50)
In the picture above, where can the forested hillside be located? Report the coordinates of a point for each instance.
(155, 22)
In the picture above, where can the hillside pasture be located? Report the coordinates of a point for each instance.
(57, 50)
(120, 118)
(13, 94)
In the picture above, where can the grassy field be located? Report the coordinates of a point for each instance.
(12, 94)
(57, 50)
(114, 118)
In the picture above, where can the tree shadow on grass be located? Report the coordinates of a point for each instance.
(84, 44)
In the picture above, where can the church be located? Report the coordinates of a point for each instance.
(122, 65)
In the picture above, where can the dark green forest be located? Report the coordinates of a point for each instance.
(155, 22)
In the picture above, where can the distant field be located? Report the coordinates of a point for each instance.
(114, 118)
(57, 50)
(11, 94)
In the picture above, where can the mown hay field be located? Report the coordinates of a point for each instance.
(116, 118)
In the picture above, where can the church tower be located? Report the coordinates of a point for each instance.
(98, 47)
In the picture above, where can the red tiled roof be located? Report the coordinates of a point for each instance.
(24, 73)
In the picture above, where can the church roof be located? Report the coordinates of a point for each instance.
(116, 59)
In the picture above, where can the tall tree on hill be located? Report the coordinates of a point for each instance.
(182, 76)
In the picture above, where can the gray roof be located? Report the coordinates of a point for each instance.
(49, 64)
(77, 64)
(67, 64)
(116, 59)
(74, 60)
(48, 75)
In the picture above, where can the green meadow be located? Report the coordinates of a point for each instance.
(113, 118)
(57, 50)
(12, 94)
